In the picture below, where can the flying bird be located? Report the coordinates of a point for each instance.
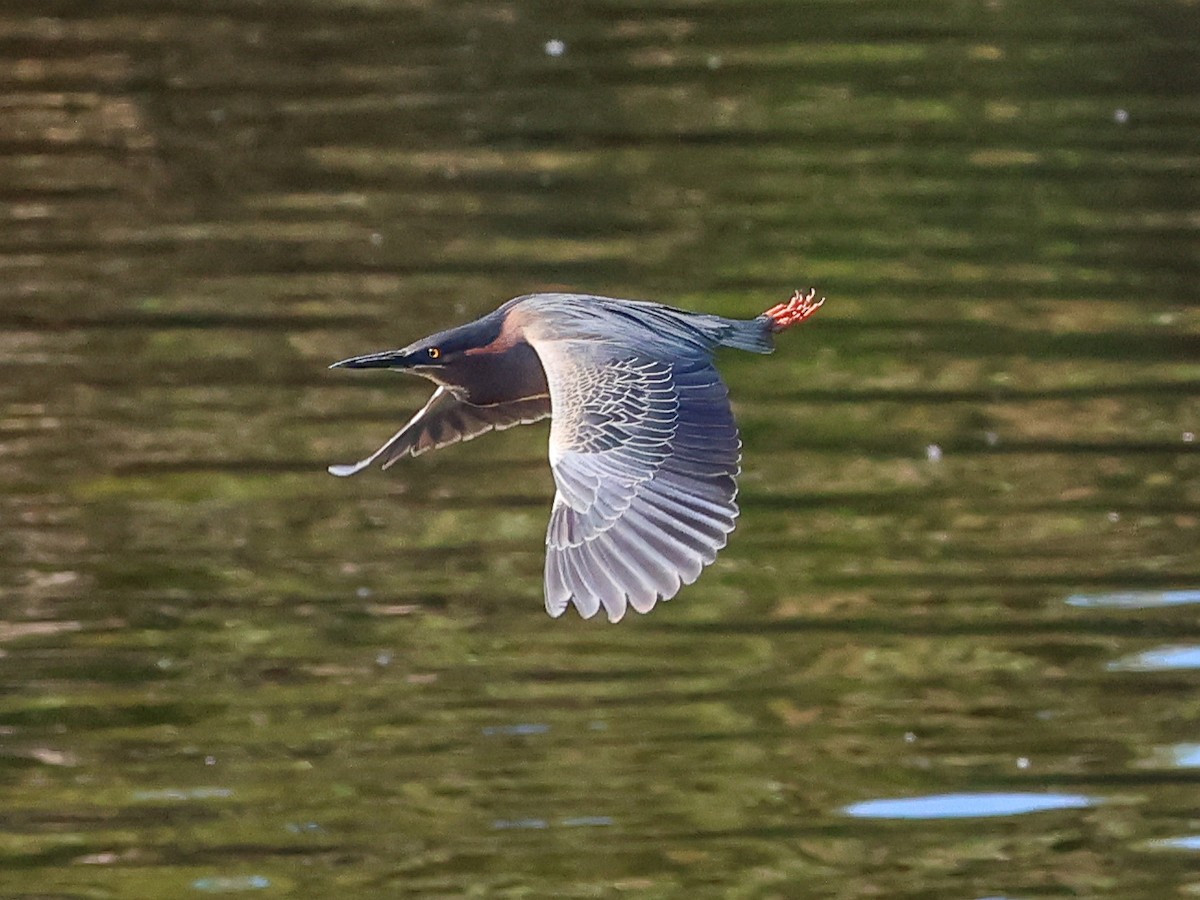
(643, 446)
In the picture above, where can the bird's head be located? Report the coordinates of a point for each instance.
(435, 356)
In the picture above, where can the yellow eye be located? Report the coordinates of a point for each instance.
(434, 352)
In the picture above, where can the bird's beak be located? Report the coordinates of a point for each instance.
(387, 359)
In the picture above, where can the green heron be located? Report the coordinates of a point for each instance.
(643, 445)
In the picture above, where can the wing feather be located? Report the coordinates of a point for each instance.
(446, 420)
(645, 455)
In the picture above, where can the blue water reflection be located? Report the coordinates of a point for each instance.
(1135, 599)
(182, 794)
(568, 822)
(1159, 659)
(228, 884)
(1188, 842)
(1174, 756)
(1187, 756)
(520, 728)
(966, 805)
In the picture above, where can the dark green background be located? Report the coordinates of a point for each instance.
(223, 671)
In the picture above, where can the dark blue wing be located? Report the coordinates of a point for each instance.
(645, 457)
(445, 420)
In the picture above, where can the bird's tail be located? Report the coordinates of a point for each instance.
(756, 334)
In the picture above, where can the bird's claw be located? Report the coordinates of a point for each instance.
(795, 311)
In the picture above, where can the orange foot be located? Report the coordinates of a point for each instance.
(795, 311)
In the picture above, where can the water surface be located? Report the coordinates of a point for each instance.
(965, 574)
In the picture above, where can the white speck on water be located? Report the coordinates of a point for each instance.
(1114, 517)
(221, 884)
(554, 47)
(713, 62)
(520, 728)
(303, 827)
(376, 239)
(383, 658)
(1022, 762)
(991, 438)
(583, 821)
(1120, 116)
(933, 453)
(159, 795)
(363, 593)
(520, 823)
(1189, 436)
(210, 760)
(910, 737)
